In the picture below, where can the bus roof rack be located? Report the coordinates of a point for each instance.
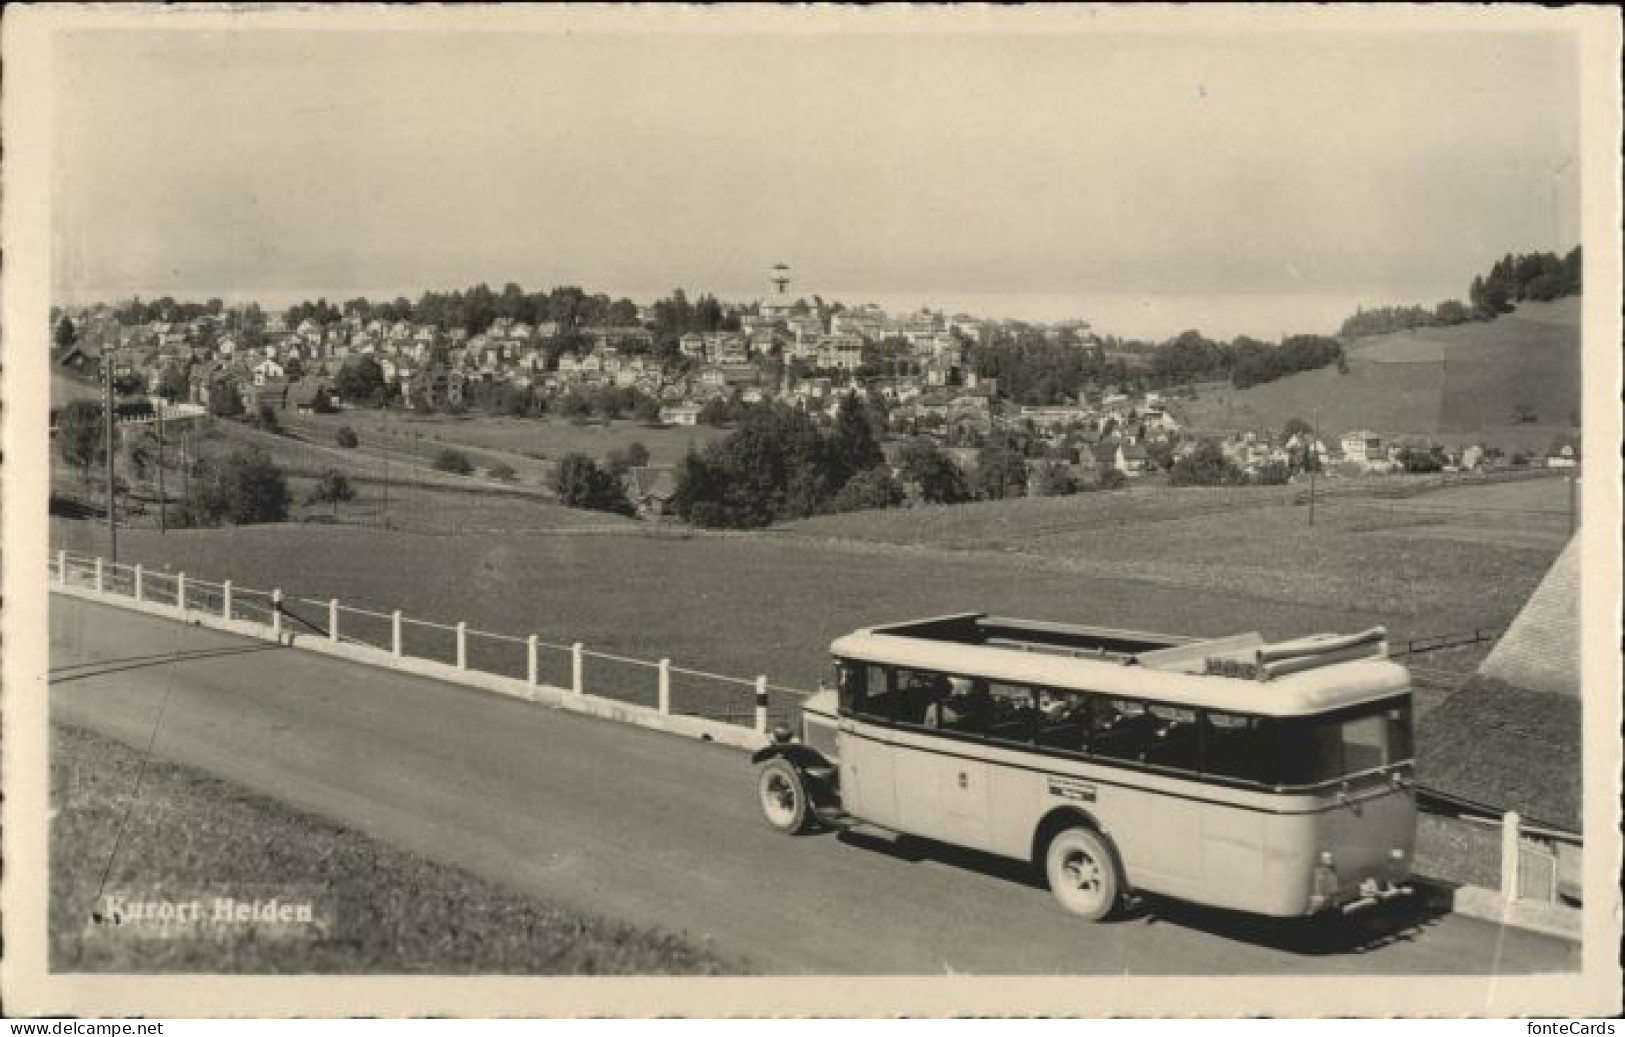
(1267, 661)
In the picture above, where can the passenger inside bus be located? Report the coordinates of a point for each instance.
(965, 707)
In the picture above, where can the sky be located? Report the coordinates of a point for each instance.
(1066, 164)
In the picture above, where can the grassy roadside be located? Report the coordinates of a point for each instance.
(375, 909)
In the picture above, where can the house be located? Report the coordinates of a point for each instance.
(272, 393)
(680, 413)
(268, 370)
(1563, 453)
(1363, 447)
(308, 395)
(651, 489)
(1130, 459)
(840, 352)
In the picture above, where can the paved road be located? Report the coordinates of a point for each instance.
(657, 830)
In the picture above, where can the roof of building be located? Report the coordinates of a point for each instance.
(1505, 748)
(654, 481)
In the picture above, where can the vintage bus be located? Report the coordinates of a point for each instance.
(1275, 779)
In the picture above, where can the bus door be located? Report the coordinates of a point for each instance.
(867, 700)
(941, 780)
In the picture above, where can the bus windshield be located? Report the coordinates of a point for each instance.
(1313, 750)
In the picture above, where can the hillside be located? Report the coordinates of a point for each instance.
(1457, 384)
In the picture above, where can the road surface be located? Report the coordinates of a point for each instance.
(661, 831)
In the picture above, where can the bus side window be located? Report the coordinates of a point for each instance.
(1063, 719)
(873, 696)
(849, 686)
(915, 691)
(1012, 713)
(1233, 746)
(1123, 730)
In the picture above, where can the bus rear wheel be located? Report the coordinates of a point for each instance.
(1082, 873)
(782, 792)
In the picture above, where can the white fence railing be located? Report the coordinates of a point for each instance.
(660, 685)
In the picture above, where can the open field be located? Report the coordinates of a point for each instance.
(747, 604)
(1458, 384)
(511, 438)
(1409, 559)
(379, 909)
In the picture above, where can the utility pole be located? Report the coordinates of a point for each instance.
(386, 462)
(107, 445)
(163, 499)
(1314, 467)
(1574, 511)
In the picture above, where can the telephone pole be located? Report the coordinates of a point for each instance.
(107, 446)
(1314, 465)
(163, 499)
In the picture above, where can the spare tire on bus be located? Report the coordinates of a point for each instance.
(1082, 873)
(781, 791)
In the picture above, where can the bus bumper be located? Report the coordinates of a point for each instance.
(1369, 893)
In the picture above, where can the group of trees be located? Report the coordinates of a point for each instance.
(780, 463)
(581, 483)
(243, 487)
(1253, 362)
(168, 310)
(1533, 276)
(1032, 369)
(476, 308)
(1192, 357)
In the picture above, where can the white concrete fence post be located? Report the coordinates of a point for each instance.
(139, 596)
(276, 613)
(761, 704)
(576, 684)
(530, 661)
(62, 568)
(395, 633)
(665, 687)
(462, 645)
(1509, 855)
(333, 620)
(225, 600)
(180, 591)
(101, 584)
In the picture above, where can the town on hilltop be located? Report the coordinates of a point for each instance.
(1018, 409)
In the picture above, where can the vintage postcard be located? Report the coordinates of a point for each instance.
(811, 511)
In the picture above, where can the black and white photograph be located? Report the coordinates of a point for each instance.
(811, 511)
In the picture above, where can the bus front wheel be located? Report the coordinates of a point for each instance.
(1082, 873)
(782, 792)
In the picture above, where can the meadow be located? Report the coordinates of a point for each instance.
(197, 836)
(769, 603)
(1458, 385)
(514, 440)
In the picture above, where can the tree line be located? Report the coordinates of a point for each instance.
(1524, 277)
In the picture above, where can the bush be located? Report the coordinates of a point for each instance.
(1205, 466)
(1275, 473)
(245, 487)
(503, 472)
(332, 488)
(1112, 479)
(266, 420)
(874, 488)
(1054, 479)
(580, 483)
(347, 438)
(454, 461)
